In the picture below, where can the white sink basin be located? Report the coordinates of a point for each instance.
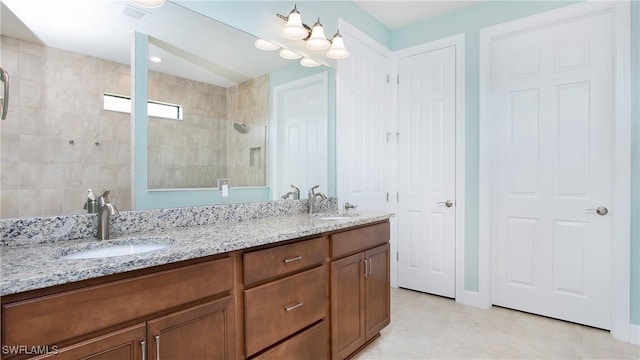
(116, 250)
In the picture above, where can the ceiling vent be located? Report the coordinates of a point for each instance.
(133, 12)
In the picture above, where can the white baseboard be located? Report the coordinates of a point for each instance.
(634, 334)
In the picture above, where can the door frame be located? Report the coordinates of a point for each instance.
(620, 247)
(278, 128)
(458, 41)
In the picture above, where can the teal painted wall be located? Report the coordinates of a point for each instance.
(635, 162)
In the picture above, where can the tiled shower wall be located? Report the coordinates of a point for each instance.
(49, 153)
(205, 146)
(48, 141)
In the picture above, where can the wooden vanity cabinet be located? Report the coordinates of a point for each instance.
(286, 301)
(360, 287)
(190, 308)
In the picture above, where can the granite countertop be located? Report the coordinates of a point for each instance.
(25, 267)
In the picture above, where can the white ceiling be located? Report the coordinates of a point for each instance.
(395, 14)
(219, 58)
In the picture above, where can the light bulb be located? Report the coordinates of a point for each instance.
(293, 29)
(337, 50)
(317, 40)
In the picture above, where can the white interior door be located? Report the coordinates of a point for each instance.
(363, 155)
(426, 219)
(302, 118)
(552, 102)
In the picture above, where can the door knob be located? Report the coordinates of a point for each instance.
(447, 203)
(600, 210)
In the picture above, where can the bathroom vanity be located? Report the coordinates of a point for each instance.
(294, 286)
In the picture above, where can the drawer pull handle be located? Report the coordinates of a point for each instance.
(291, 307)
(290, 260)
(157, 337)
(143, 346)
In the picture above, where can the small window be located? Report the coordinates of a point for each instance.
(122, 103)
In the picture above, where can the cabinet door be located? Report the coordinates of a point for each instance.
(205, 331)
(347, 305)
(125, 344)
(377, 290)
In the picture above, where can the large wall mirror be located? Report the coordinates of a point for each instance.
(58, 140)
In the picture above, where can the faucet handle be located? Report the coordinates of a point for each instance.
(313, 189)
(348, 206)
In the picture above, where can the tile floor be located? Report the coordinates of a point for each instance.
(431, 327)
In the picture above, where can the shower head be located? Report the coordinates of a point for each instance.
(241, 128)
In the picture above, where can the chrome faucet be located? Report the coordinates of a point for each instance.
(105, 208)
(295, 193)
(312, 198)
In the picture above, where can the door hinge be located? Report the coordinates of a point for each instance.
(397, 256)
(398, 197)
(387, 197)
(398, 79)
(388, 78)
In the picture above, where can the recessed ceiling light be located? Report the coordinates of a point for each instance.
(156, 59)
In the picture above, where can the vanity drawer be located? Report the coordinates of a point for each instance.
(282, 260)
(310, 344)
(356, 240)
(59, 317)
(278, 309)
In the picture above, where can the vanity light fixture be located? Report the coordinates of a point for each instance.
(149, 3)
(265, 45)
(337, 50)
(315, 38)
(294, 29)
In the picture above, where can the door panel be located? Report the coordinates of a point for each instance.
(427, 172)
(363, 118)
(552, 100)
